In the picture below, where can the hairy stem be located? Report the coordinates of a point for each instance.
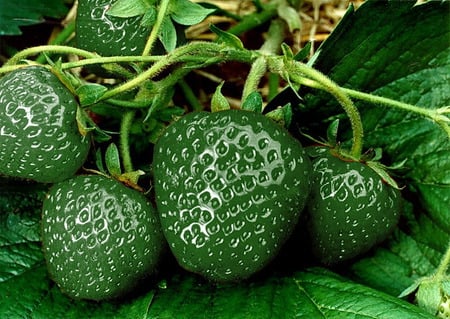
(50, 49)
(296, 71)
(115, 59)
(434, 115)
(443, 265)
(61, 38)
(125, 126)
(206, 52)
(162, 12)
(259, 67)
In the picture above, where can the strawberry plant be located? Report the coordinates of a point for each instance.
(218, 181)
(205, 120)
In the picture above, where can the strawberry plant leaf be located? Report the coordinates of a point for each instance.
(127, 8)
(112, 160)
(253, 102)
(14, 14)
(90, 93)
(188, 13)
(168, 34)
(315, 293)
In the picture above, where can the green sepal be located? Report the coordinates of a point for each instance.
(281, 115)
(168, 34)
(219, 102)
(227, 38)
(287, 52)
(90, 93)
(127, 8)
(131, 179)
(253, 102)
(332, 132)
(303, 53)
(99, 161)
(84, 122)
(112, 160)
(159, 101)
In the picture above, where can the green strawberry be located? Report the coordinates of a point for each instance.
(230, 187)
(100, 238)
(39, 137)
(444, 307)
(350, 208)
(96, 31)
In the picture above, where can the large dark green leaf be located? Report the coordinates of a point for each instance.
(14, 14)
(314, 293)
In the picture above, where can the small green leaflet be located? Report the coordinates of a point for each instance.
(188, 13)
(180, 13)
(90, 93)
(128, 8)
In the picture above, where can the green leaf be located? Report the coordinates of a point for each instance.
(303, 53)
(149, 18)
(127, 8)
(90, 93)
(168, 34)
(112, 160)
(253, 102)
(188, 13)
(218, 101)
(315, 293)
(14, 14)
(227, 38)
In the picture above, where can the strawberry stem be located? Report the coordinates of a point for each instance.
(60, 38)
(259, 67)
(162, 12)
(199, 54)
(438, 116)
(125, 127)
(443, 265)
(51, 49)
(297, 71)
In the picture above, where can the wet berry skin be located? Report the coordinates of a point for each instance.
(350, 209)
(96, 31)
(39, 137)
(230, 187)
(100, 238)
